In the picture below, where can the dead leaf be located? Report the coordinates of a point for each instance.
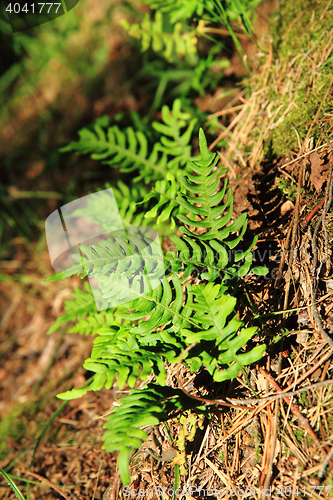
(169, 455)
(179, 459)
(317, 168)
(287, 207)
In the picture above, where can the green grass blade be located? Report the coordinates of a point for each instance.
(46, 426)
(12, 485)
(49, 422)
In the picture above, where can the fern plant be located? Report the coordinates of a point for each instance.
(173, 32)
(180, 10)
(178, 44)
(193, 306)
(129, 149)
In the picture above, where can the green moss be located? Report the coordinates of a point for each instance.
(258, 453)
(283, 137)
(288, 188)
(296, 25)
(19, 424)
(330, 480)
(299, 435)
(12, 427)
(300, 73)
(305, 401)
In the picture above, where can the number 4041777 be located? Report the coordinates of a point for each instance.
(33, 8)
(287, 492)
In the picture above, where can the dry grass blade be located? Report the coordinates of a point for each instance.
(46, 481)
(272, 433)
(303, 420)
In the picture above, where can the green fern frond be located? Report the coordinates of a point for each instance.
(199, 257)
(200, 317)
(92, 324)
(204, 192)
(164, 305)
(121, 354)
(214, 10)
(127, 198)
(164, 317)
(172, 46)
(212, 309)
(98, 208)
(203, 187)
(166, 191)
(129, 150)
(81, 304)
(179, 144)
(196, 257)
(116, 353)
(140, 408)
(180, 10)
(118, 264)
(201, 321)
(118, 350)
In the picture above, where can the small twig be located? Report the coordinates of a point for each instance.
(313, 212)
(318, 121)
(111, 493)
(46, 481)
(285, 249)
(230, 126)
(280, 396)
(303, 420)
(324, 464)
(97, 478)
(316, 273)
(319, 110)
(303, 156)
(325, 357)
(239, 403)
(294, 231)
(225, 111)
(272, 454)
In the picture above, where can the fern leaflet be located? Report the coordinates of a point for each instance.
(81, 304)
